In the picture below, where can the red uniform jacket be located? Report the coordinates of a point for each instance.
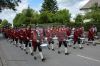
(62, 34)
(91, 33)
(76, 34)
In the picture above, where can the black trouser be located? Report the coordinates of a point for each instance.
(90, 39)
(27, 43)
(20, 41)
(79, 41)
(16, 41)
(62, 42)
(37, 46)
(51, 42)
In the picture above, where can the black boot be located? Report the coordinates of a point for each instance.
(43, 59)
(35, 58)
(53, 50)
(88, 44)
(32, 54)
(74, 47)
(66, 53)
(81, 47)
(94, 44)
(59, 52)
(26, 52)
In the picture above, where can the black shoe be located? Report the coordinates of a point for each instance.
(20, 46)
(32, 54)
(81, 47)
(35, 58)
(16, 45)
(26, 52)
(24, 49)
(43, 59)
(70, 45)
(74, 47)
(53, 50)
(94, 44)
(88, 44)
(49, 48)
(66, 53)
(59, 52)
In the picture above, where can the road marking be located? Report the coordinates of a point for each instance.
(89, 58)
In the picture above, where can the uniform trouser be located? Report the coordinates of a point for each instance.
(52, 44)
(65, 44)
(90, 39)
(62, 42)
(38, 46)
(77, 41)
(16, 41)
(27, 43)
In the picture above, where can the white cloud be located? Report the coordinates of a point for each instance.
(10, 14)
(73, 5)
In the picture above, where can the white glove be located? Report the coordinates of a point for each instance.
(37, 40)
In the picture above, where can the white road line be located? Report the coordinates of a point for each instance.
(89, 58)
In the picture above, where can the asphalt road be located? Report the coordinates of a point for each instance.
(14, 56)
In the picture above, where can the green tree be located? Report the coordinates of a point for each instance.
(46, 17)
(50, 6)
(16, 21)
(62, 16)
(8, 4)
(27, 17)
(4, 23)
(79, 19)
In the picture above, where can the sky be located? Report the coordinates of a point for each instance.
(72, 5)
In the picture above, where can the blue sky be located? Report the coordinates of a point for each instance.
(72, 5)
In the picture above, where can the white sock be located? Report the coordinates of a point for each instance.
(27, 49)
(69, 43)
(52, 46)
(30, 49)
(66, 50)
(93, 42)
(14, 42)
(41, 55)
(24, 46)
(80, 45)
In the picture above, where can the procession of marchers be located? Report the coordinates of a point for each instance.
(32, 39)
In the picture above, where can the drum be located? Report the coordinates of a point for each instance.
(69, 41)
(96, 37)
(71, 36)
(55, 39)
(82, 40)
(44, 45)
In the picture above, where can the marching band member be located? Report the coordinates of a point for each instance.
(62, 39)
(53, 35)
(27, 40)
(36, 42)
(91, 34)
(77, 36)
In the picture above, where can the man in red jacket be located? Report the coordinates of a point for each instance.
(91, 34)
(36, 42)
(27, 35)
(77, 36)
(62, 39)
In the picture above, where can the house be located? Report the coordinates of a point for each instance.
(90, 4)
